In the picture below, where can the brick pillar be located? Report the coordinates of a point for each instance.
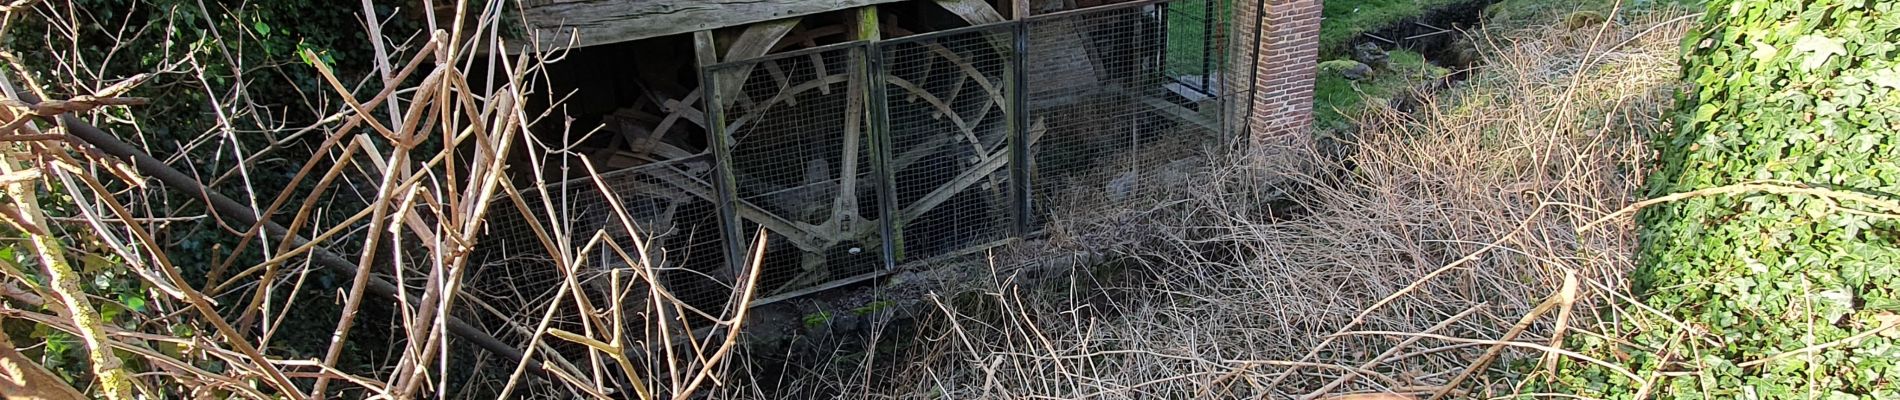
(1285, 61)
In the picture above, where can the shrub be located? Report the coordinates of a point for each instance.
(1781, 293)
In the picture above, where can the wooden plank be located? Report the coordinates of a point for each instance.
(705, 50)
(756, 41)
(976, 12)
(681, 109)
(553, 23)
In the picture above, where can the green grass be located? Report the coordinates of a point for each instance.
(1336, 100)
(1344, 19)
(1189, 36)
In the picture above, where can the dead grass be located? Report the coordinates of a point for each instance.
(1406, 262)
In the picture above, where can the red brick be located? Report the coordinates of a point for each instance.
(1284, 65)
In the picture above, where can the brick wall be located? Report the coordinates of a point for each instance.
(1285, 59)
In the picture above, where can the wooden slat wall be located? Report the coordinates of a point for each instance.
(608, 21)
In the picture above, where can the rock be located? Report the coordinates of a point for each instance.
(1122, 186)
(1370, 54)
(1348, 69)
(1357, 71)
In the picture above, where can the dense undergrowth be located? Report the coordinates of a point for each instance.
(1448, 236)
(1472, 246)
(232, 96)
(1771, 272)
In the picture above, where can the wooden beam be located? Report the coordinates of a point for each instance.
(976, 12)
(799, 234)
(759, 38)
(705, 50)
(554, 23)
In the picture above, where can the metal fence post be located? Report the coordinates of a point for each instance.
(1018, 114)
(1252, 53)
(880, 137)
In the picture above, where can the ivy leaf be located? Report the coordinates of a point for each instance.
(1705, 112)
(1892, 323)
(1763, 51)
(134, 303)
(1819, 48)
(1889, 77)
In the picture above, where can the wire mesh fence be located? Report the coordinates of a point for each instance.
(801, 163)
(856, 156)
(946, 101)
(1128, 97)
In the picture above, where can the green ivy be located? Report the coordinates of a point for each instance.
(256, 43)
(1805, 92)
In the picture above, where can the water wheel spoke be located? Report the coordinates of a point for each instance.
(757, 40)
(964, 127)
(758, 111)
(984, 168)
(802, 237)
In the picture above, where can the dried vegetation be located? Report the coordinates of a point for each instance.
(1442, 257)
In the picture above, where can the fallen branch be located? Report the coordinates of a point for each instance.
(1771, 187)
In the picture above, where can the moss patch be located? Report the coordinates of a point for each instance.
(1338, 100)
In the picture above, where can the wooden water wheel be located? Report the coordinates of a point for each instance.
(664, 128)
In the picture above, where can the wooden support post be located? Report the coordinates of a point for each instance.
(867, 27)
(866, 24)
(845, 207)
(889, 225)
(706, 51)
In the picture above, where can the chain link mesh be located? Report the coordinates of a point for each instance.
(1128, 97)
(947, 101)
